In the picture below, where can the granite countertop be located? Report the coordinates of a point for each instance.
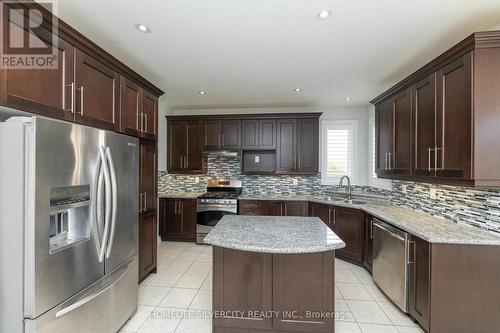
(273, 234)
(426, 226)
(180, 195)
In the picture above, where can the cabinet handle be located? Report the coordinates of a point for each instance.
(218, 140)
(334, 217)
(411, 250)
(281, 209)
(386, 165)
(81, 100)
(72, 106)
(185, 162)
(329, 216)
(223, 140)
(429, 158)
(371, 229)
(138, 121)
(175, 207)
(145, 201)
(146, 121)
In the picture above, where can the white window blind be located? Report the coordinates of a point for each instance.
(338, 150)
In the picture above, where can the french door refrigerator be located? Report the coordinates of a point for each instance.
(69, 227)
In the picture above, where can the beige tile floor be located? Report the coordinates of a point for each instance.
(178, 298)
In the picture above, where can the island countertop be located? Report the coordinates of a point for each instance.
(270, 234)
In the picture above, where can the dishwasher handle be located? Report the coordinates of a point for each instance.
(380, 225)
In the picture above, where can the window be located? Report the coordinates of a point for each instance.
(373, 180)
(338, 151)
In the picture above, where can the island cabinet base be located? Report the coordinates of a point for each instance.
(262, 292)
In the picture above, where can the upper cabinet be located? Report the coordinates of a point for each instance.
(85, 86)
(222, 134)
(441, 123)
(269, 143)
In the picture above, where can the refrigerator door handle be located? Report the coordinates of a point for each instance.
(113, 279)
(107, 214)
(114, 195)
(97, 210)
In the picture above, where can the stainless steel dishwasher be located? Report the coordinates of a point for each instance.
(390, 262)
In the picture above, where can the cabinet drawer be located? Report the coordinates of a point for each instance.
(250, 207)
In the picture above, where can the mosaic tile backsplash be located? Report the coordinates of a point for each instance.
(476, 207)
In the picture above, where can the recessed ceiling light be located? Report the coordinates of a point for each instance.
(202, 92)
(347, 99)
(142, 28)
(297, 89)
(324, 14)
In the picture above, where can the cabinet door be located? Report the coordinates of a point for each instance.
(148, 171)
(250, 134)
(401, 148)
(384, 132)
(43, 91)
(231, 134)
(212, 134)
(419, 291)
(267, 134)
(150, 115)
(324, 212)
(170, 221)
(454, 120)
(249, 207)
(286, 149)
(188, 218)
(177, 137)
(303, 282)
(130, 107)
(368, 253)
(295, 208)
(147, 244)
(424, 109)
(272, 208)
(349, 225)
(193, 159)
(97, 93)
(242, 284)
(307, 145)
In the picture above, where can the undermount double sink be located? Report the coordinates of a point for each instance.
(351, 202)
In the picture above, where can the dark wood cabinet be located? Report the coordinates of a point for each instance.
(307, 145)
(96, 93)
(286, 145)
(419, 281)
(285, 208)
(44, 91)
(349, 225)
(249, 207)
(147, 244)
(258, 134)
(222, 134)
(324, 212)
(150, 115)
(453, 123)
(368, 246)
(184, 147)
(178, 219)
(393, 136)
(130, 107)
(148, 176)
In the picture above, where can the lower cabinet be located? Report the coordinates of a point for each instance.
(368, 249)
(419, 282)
(249, 207)
(285, 208)
(349, 225)
(178, 219)
(147, 244)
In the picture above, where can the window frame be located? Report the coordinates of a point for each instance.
(325, 125)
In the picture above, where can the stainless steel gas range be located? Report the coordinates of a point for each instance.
(220, 199)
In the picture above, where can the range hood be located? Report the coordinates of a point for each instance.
(221, 153)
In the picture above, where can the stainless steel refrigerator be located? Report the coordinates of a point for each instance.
(68, 227)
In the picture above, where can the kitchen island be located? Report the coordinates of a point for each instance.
(273, 274)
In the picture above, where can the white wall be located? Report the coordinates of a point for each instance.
(358, 113)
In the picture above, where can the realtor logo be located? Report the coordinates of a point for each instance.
(28, 33)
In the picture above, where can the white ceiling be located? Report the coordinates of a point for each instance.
(255, 52)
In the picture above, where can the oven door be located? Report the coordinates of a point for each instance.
(209, 215)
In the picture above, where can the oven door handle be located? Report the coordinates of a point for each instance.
(217, 208)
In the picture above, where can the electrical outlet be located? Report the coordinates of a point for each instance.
(257, 159)
(432, 193)
(404, 188)
(295, 181)
(196, 180)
